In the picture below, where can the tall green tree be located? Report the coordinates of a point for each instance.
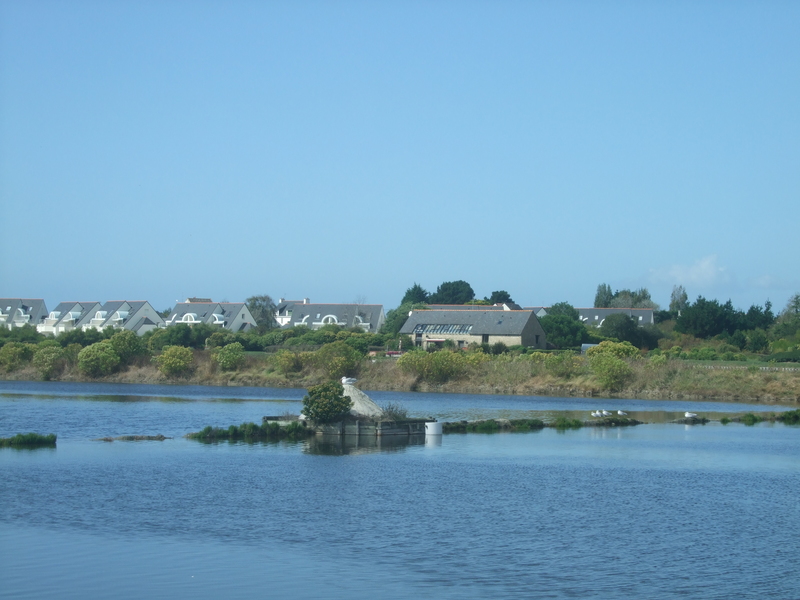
(604, 296)
(563, 331)
(263, 310)
(678, 300)
(564, 308)
(416, 294)
(452, 292)
(500, 297)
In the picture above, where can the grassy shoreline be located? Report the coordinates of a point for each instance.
(673, 380)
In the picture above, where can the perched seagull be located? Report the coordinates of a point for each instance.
(605, 413)
(348, 380)
(689, 415)
(622, 413)
(596, 413)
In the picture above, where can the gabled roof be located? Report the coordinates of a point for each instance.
(33, 308)
(485, 322)
(306, 314)
(501, 306)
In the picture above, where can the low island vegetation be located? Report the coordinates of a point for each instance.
(29, 440)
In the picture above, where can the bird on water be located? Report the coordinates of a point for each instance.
(689, 415)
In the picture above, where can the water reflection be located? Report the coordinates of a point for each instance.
(339, 445)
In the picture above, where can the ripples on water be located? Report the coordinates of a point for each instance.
(657, 511)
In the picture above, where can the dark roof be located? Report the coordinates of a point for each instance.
(491, 322)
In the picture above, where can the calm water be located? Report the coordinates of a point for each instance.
(655, 511)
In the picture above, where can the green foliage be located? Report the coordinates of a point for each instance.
(80, 336)
(791, 417)
(621, 327)
(612, 372)
(604, 296)
(750, 419)
(230, 357)
(287, 361)
(251, 432)
(99, 359)
(499, 348)
(49, 360)
(415, 295)
(452, 292)
(563, 423)
(28, 440)
(564, 308)
(26, 333)
(263, 310)
(337, 359)
(618, 349)
(500, 297)
(439, 366)
(14, 354)
(708, 318)
(326, 402)
(757, 341)
(563, 364)
(218, 339)
(640, 298)
(128, 346)
(175, 360)
(563, 331)
(678, 300)
(656, 361)
(393, 411)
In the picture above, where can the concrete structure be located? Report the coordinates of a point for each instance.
(17, 312)
(463, 327)
(234, 316)
(290, 313)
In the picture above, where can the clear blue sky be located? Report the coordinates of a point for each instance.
(345, 150)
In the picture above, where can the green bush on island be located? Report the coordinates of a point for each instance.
(98, 360)
(252, 432)
(230, 357)
(28, 440)
(751, 419)
(791, 417)
(175, 361)
(326, 402)
(128, 345)
(563, 423)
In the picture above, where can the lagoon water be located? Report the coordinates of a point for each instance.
(653, 511)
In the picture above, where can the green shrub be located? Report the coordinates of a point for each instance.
(175, 361)
(791, 417)
(128, 346)
(14, 354)
(618, 349)
(393, 411)
(611, 372)
(439, 366)
(656, 361)
(750, 419)
(49, 360)
(98, 360)
(564, 364)
(563, 423)
(337, 360)
(326, 402)
(230, 357)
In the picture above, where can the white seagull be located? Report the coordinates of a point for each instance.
(596, 413)
(348, 380)
(689, 415)
(622, 413)
(605, 413)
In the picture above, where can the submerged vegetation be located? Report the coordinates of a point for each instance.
(29, 440)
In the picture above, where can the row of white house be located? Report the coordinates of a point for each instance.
(135, 315)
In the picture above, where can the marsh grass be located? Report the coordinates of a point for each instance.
(394, 411)
(29, 440)
(252, 432)
(750, 419)
(791, 417)
(564, 423)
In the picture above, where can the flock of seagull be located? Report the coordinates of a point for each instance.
(599, 414)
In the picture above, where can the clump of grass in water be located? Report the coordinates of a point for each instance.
(562, 423)
(251, 432)
(750, 419)
(29, 440)
(791, 417)
(394, 411)
(724, 420)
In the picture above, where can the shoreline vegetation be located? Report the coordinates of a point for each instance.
(536, 374)
(294, 430)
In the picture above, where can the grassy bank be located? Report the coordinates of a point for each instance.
(505, 374)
